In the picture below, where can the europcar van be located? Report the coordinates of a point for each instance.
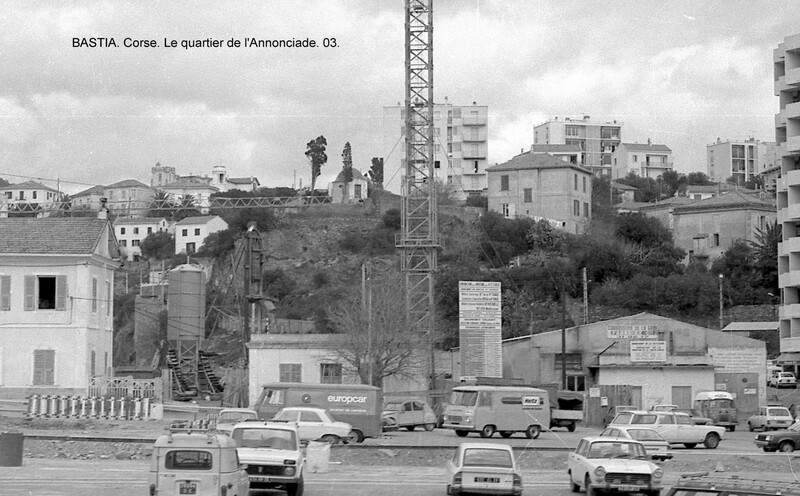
(196, 462)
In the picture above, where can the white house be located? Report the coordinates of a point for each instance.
(200, 192)
(350, 192)
(56, 304)
(27, 193)
(131, 232)
(192, 231)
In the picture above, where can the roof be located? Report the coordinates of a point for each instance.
(94, 190)
(631, 206)
(200, 219)
(195, 439)
(708, 188)
(474, 445)
(242, 180)
(187, 183)
(646, 147)
(622, 187)
(143, 220)
(671, 201)
(752, 326)
(51, 236)
(554, 148)
(532, 161)
(128, 183)
(356, 174)
(28, 185)
(727, 201)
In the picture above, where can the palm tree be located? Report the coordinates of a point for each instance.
(186, 207)
(160, 205)
(765, 247)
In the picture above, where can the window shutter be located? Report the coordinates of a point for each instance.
(30, 290)
(5, 292)
(61, 292)
(49, 366)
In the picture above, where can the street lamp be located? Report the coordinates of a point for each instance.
(721, 277)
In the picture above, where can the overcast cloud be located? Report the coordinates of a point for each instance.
(679, 72)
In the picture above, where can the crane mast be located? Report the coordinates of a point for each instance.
(419, 235)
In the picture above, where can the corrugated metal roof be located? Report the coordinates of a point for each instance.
(57, 236)
(751, 326)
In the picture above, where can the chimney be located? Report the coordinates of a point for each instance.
(586, 118)
(649, 142)
(103, 212)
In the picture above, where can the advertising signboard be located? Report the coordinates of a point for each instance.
(480, 326)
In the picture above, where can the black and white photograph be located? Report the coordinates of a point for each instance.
(399, 247)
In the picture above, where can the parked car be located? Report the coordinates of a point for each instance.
(782, 379)
(770, 418)
(483, 468)
(657, 447)
(228, 417)
(676, 428)
(613, 464)
(271, 451)
(724, 485)
(316, 424)
(786, 440)
(695, 415)
(664, 408)
(410, 414)
(612, 412)
(196, 462)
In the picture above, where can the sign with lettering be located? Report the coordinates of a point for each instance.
(648, 351)
(738, 359)
(632, 331)
(480, 325)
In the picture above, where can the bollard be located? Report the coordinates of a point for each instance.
(73, 406)
(112, 406)
(146, 409)
(93, 408)
(82, 401)
(33, 402)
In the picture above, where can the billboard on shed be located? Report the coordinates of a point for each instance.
(480, 328)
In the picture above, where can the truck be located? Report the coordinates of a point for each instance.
(359, 405)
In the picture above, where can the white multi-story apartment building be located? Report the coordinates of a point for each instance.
(25, 196)
(131, 232)
(786, 60)
(648, 160)
(597, 140)
(461, 146)
(740, 160)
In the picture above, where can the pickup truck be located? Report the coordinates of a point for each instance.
(676, 428)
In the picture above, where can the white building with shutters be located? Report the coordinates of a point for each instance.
(56, 304)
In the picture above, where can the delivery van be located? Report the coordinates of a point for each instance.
(359, 405)
(719, 406)
(503, 409)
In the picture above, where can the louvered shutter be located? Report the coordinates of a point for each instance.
(30, 293)
(61, 292)
(5, 292)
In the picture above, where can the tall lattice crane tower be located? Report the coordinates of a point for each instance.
(419, 233)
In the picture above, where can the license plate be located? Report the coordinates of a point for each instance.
(628, 488)
(259, 478)
(487, 479)
(188, 488)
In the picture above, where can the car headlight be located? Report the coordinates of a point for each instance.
(658, 473)
(600, 471)
(288, 470)
(767, 438)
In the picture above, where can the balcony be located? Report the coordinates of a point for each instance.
(791, 110)
(792, 77)
(789, 345)
(790, 279)
(792, 212)
(789, 246)
(793, 144)
(474, 120)
(780, 118)
(789, 311)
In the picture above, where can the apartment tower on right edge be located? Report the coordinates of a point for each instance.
(787, 137)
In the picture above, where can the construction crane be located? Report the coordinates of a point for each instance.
(419, 233)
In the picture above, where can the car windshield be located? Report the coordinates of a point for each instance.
(233, 417)
(645, 435)
(483, 457)
(607, 449)
(188, 460)
(288, 415)
(779, 412)
(643, 419)
(282, 439)
(464, 398)
(395, 407)
(622, 418)
(721, 403)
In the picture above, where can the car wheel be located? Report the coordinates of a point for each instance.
(712, 440)
(430, 427)
(505, 433)
(573, 486)
(690, 445)
(733, 428)
(295, 489)
(487, 431)
(410, 427)
(571, 427)
(330, 439)
(786, 447)
(655, 492)
(461, 433)
(590, 491)
(448, 489)
(533, 431)
(750, 426)
(356, 436)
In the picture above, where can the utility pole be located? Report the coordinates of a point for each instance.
(585, 298)
(563, 298)
(721, 325)
(366, 297)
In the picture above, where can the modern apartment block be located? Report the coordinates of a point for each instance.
(597, 140)
(741, 160)
(461, 147)
(643, 159)
(787, 136)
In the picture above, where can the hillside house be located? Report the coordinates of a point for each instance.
(192, 231)
(350, 192)
(131, 232)
(26, 195)
(56, 304)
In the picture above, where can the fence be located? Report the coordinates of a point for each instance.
(105, 407)
(126, 387)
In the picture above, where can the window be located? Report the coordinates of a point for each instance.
(635, 158)
(584, 184)
(576, 181)
(135, 230)
(503, 183)
(357, 191)
(9, 195)
(506, 211)
(5, 292)
(290, 372)
(135, 242)
(108, 298)
(122, 230)
(576, 208)
(191, 248)
(188, 460)
(586, 209)
(330, 373)
(21, 195)
(306, 416)
(149, 230)
(45, 292)
(715, 241)
(94, 294)
(571, 130)
(184, 232)
(528, 195)
(475, 167)
(44, 362)
(576, 383)
(92, 363)
(197, 231)
(123, 243)
(34, 194)
(437, 164)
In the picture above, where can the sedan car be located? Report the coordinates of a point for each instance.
(316, 424)
(483, 468)
(410, 414)
(786, 440)
(657, 447)
(782, 379)
(613, 464)
(228, 417)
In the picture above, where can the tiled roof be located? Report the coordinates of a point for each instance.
(186, 183)
(727, 201)
(631, 206)
(356, 175)
(644, 147)
(550, 148)
(128, 183)
(28, 185)
(94, 190)
(144, 220)
(56, 236)
(710, 188)
(671, 201)
(200, 219)
(622, 187)
(530, 160)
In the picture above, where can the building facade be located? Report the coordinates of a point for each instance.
(128, 198)
(597, 140)
(353, 191)
(192, 231)
(461, 147)
(26, 195)
(223, 182)
(56, 304)
(740, 160)
(786, 58)
(644, 160)
(540, 186)
(131, 232)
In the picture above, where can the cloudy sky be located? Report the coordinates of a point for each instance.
(681, 72)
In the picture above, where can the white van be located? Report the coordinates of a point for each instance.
(503, 409)
(719, 406)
